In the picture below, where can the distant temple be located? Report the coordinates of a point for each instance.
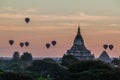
(105, 57)
(78, 49)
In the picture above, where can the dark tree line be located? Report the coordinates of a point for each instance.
(48, 67)
(24, 57)
(69, 69)
(15, 76)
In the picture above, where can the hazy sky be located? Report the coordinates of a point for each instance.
(58, 20)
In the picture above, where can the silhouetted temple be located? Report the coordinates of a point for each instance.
(78, 49)
(105, 57)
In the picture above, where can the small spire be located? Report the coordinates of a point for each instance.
(78, 29)
(79, 36)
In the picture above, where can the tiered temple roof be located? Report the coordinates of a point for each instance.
(78, 49)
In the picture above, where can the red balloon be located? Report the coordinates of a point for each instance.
(53, 43)
(11, 42)
(21, 44)
(26, 44)
(111, 47)
(105, 46)
(47, 45)
(27, 20)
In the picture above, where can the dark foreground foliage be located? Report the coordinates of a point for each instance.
(67, 60)
(47, 69)
(93, 70)
(15, 76)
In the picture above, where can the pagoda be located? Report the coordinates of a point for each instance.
(78, 49)
(105, 57)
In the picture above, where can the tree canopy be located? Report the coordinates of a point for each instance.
(93, 70)
(86, 65)
(44, 68)
(67, 60)
(15, 76)
(26, 56)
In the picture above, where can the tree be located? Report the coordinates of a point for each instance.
(44, 68)
(67, 60)
(87, 65)
(16, 56)
(43, 78)
(116, 61)
(49, 59)
(15, 76)
(15, 67)
(26, 56)
(91, 70)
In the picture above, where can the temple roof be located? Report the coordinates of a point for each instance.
(104, 57)
(78, 44)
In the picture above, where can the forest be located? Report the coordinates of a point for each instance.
(69, 68)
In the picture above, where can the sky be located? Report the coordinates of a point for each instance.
(58, 20)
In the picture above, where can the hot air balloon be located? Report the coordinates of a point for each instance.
(105, 46)
(27, 20)
(26, 44)
(21, 44)
(111, 47)
(11, 42)
(53, 43)
(47, 45)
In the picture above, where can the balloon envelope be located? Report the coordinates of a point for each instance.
(47, 45)
(111, 47)
(26, 44)
(11, 42)
(21, 44)
(105, 46)
(53, 43)
(27, 20)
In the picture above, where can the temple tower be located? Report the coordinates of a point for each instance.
(78, 49)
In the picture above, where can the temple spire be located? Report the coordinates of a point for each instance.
(78, 29)
(78, 39)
